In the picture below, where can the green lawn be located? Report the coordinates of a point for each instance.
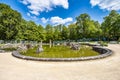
(61, 52)
(9, 49)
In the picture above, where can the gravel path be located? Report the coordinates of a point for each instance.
(12, 68)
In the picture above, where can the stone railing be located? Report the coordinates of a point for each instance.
(104, 52)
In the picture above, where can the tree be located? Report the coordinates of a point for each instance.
(21, 30)
(72, 32)
(98, 30)
(49, 32)
(86, 28)
(14, 27)
(65, 33)
(116, 29)
(82, 26)
(9, 20)
(41, 33)
(57, 32)
(32, 31)
(109, 24)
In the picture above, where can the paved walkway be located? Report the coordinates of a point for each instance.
(12, 68)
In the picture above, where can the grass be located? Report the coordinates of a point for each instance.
(102, 43)
(61, 52)
(1, 45)
(9, 49)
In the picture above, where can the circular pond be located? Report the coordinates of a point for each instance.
(64, 53)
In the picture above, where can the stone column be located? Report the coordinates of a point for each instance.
(53, 44)
(41, 44)
(50, 43)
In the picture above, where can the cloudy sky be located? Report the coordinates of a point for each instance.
(62, 11)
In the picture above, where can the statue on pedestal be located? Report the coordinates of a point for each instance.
(39, 49)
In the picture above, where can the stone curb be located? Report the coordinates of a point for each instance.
(2, 51)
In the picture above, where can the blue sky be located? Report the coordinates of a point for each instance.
(62, 11)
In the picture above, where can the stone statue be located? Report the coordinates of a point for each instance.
(39, 49)
(75, 46)
(22, 48)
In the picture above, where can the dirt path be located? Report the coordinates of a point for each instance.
(108, 68)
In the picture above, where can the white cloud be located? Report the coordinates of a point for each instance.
(57, 20)
(44, 20)
(38, 6)
(32, 17)
(106, 4)
(28, 14)
(24, 2)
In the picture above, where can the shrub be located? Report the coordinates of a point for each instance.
(103, 43)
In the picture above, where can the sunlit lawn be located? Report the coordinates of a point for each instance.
(61, 52)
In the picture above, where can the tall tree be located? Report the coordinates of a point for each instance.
(41, 33)
(49, 32)
(116, 28)
(82, 26)
(108, 24)
(9, 20)
(65, 33)
(72, 32)
(57, 32)
(98, 30)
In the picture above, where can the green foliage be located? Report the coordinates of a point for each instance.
(14, 27)
(9, 49)
(86, 27)
(111, 26)
(9, 22)
(72, 32)
(64, 33)
(49, 32)
(103, 43)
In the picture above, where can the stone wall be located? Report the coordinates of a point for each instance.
(100, 50)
